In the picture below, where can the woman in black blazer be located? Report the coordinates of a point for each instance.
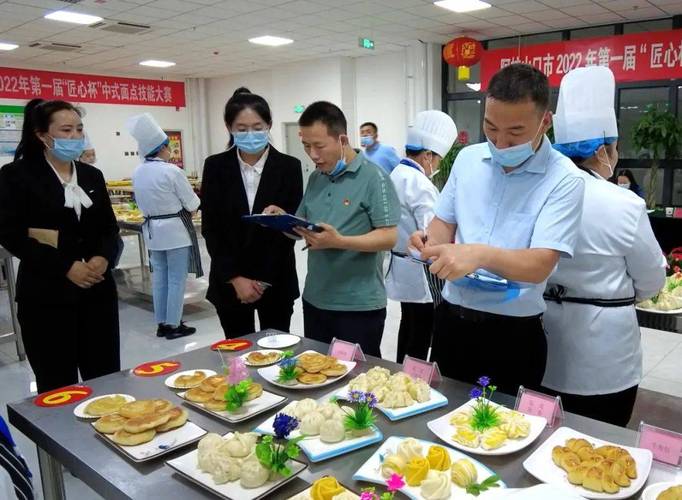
(252, 268)
(56, 217)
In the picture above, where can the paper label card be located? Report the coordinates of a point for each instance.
(424, 370)
(540, 405)
(677, 213)
(664, 444)
(346, 351)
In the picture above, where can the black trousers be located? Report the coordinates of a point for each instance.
(416, 327)
(512, 351)
(363, 327)
(615, 408)
(274, 311)
(62, 340)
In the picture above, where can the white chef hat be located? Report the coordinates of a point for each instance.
(585, 116)
(146, 132)
(432, 130)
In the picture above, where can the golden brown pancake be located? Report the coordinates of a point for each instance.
(209, 384)
(105, 405)
(137, 408)
(127, 439)
(311, 378)
(188, 381)
(214, 405)
(335, 370)
(255, 391)
(146, 422)
(108, 424)
(198, 396)
(178, 417)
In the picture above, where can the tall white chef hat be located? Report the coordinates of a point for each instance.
(585, 115)
(147, 133)
(432, 130)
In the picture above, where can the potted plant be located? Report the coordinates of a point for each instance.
(446, 163)
(659, 132)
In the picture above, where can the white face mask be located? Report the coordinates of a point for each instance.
(625, 185)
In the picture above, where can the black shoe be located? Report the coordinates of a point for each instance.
(162, 330)
(180, 331)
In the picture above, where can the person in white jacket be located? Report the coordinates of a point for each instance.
(428, 141)
(594, 354)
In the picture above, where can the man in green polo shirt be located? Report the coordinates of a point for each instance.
(357, 206)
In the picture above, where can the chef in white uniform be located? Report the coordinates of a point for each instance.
(428, 141)
(167, 200)
(594, 352)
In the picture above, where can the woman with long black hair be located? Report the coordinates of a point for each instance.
(252, 268)
(56, 218)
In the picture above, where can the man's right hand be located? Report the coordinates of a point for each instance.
(273, 210)
(82, 275)
(417, 240)
(248, 291)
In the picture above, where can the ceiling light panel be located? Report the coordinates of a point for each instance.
(72, 17)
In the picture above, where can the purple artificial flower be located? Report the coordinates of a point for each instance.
(284, 425)
(475, 393)
(356, 396)
(484, 381)
(371, 399)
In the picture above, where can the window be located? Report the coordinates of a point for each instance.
(642, 178)
(597, 31)
(633, 103)
(467, 116)
(472, 84)
(659, 25)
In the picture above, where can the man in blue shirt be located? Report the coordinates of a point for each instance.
(512, 206)
(379, 154)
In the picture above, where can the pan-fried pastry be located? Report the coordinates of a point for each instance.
(335, 370)
(263, 358)
(210, 384)
(311, 378)
(178, 418)
(255, 391)
(105, 405)
(188, 381)
(314, 362)
(220, 391)
(161, 405)
(125, 438)
(215, 405)
(198, 396)
(137, 408)
(108, 424)
(146, 422)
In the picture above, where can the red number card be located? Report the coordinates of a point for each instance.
(664, 444)
(155, 368)
(62, 396)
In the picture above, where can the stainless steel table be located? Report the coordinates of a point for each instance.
(74, 444)
(15, 335)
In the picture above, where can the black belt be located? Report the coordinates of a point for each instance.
(476, 316)
(194, 254)
(557, 293)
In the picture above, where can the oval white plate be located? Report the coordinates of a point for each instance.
(271, 372)
(79, 410)
(245, 357)
(279, 341)
(656, 311)
(170, 381)
(652, 491)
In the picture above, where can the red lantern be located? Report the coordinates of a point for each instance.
(463, 52)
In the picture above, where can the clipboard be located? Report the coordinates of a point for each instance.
(284, 223)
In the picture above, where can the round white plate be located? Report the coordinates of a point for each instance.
(79, 410)
(656, 311)
(652, 491)
(170, 381)
(245, 357)
(279, 341)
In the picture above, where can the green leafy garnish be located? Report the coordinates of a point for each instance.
(478, 488)
(236, 395)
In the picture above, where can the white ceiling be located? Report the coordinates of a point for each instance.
(209, 37)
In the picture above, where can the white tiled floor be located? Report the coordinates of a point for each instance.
(662, 353)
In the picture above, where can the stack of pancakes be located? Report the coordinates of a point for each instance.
(211, 393)
(139, 421)
(315, 368)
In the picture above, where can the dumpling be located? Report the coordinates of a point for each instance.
(381, 392)
(399, 381)
(467, 436)
(461, 417)
(420, 391)
(397, 399)
(240, 444)
(439, 458)
(332, 431)
(493, 438)
(393, 464)
(436, 486)
(359, 383)
(304, 407)
(209, 451)
(253, 473)
(416, 471)
(310, 424)
(289, 409)
(342, 412)
(328, 410)
(463, 473)
(410, 448)
(516, 427)
(226, 469)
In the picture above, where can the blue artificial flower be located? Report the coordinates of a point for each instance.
(371, 399)
(475, 393)
(484, 381)
(287, 363)
(356, 396)
(284, 425)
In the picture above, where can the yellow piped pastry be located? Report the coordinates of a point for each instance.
(463, 473)
(493, 438)
(393, 464)
(326, 488)
(467, 436)
(439, 458)
(416, 470)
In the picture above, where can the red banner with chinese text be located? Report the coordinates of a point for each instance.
(640, 56)
(18, 83)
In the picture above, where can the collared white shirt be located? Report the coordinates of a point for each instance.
(591, 349)
(251, 175)
(161, 189)
(536, 205)
(406, 280)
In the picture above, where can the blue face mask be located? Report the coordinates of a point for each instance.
(67, 149)
(366, 140)
(340, 165)
(251, 142)
(513, 156)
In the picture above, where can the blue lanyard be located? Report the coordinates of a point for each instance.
(411, 163)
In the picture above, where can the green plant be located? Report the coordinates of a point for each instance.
(445, 166)
(660, 132)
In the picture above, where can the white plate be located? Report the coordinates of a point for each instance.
(270, 374)
(187, 466)
(262, 403)
(370, 470)
(437, 400)
(305, 494)
(442, 428)
(163, 442)
(652, 491)
(656, 311)
(540, 464)
(245, 357)
(170, 381)
(279, 341)
(79, 410)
